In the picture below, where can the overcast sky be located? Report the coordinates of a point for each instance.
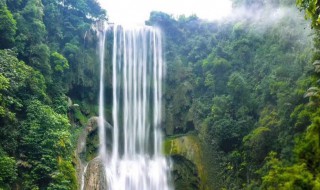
(137, 11)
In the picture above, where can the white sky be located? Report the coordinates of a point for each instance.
(137, 11)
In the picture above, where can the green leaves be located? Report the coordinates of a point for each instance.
(46, 140)
(286, 177)
(7, 28)
(39, 58)
(311, 8)
(238, 82)
(22, 77)
(8, 170)
(4, 82)
(45, 134)
(238, 87)
(49, 36)
(71, 50)
(257, 144)
(60, 63)
(65, 178)
(30, 22)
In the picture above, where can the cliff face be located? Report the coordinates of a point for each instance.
(188, 168)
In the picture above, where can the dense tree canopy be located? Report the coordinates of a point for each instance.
(244, 86)
(240, 86)
(7, 27)
(46, 39)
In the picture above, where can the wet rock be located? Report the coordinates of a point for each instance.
(87, 152)
(92, 124)
(95, 177)
(186, 148)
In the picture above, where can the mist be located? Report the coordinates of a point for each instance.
(264, 17)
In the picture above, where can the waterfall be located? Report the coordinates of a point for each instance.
(102, 29)
(135, 161)
(83, 177)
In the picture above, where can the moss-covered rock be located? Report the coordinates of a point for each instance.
(88, 146)
(189, 148)
(184, 174)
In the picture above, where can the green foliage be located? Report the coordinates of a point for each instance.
(307, 147)
(7, 27)
(311, 8)
(4, 85)
(22, 78)
(34, 83)
(239, 89)
(14, 4)
(31, 29)
(39, 58)
(8, 170)
(59, 61)
(291, 177)
(185, 174)
(257, 143)
(71, 50)
(242, 86)
(4, 82)
(65, 178)
(46, 144)
(19, 84)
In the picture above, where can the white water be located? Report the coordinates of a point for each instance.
(83, 176)
(102, 29)
(135, 161)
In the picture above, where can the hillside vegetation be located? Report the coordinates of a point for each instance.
(241, 94)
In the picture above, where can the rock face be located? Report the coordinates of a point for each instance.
(91, 175)
(92, 124)
(95, 176)
(185, 151)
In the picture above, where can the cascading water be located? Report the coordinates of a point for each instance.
(135, 161)
(102, 132)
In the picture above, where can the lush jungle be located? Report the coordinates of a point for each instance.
(241, 94)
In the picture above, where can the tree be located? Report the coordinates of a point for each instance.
(47, 146)
(8, 170)
(60, 63)
(311, 8)
(7, 27)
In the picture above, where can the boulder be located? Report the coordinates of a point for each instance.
(95, 176)
(187, 147)
(87, 152)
